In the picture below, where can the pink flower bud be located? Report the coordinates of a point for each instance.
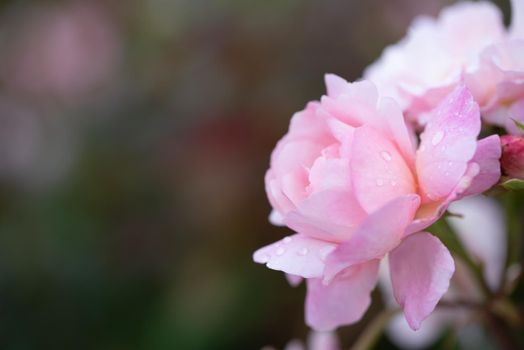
(513, 156)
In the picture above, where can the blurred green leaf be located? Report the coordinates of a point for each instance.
(513, 184)
(518, 124)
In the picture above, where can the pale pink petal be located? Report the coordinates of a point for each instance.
(329, 173)
(362, 91)
(276, 218)
(380, 233)
(517, 19)
(379, 172)
(344, 301)
(294, 154)
(279, 201)
(421, 268)
(398, 330)
(293, 280)
(487, 157)
(468, 27)
(392, 116)
(335, 85)
(331, 215)
(297, 255)
(356, 104)
(323, 341)
(309, 124)
(289, 163)
(340, 130)
(447, 144)
(430, 212)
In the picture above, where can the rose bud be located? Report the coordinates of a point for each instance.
(512, 160)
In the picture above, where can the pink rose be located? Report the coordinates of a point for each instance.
(512, 160)
(482, 231)
(467, 42)
(498, 84)
(348, 179)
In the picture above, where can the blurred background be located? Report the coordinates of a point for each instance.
(134, 137)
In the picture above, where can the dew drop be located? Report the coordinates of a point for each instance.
(379, 182)
(393, 183)
(437, 138)
(474, 169)
(287, 240)
(385, 155)
(303, 251)
(280, 251)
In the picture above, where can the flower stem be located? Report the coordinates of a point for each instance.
(373, 331)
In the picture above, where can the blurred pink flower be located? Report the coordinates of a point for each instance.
(316, 341)
(512, 160)
(468, 42)
(482, 231)
(62, 51)
(35, 151)
(347, 178)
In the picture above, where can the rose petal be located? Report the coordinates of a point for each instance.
(421, 268)
(392, 116)
(487, 156)
(379, 233)
(379, 172)
(330, 215)
(296, 255)
(344, 301)
(335, 85)
(447, 144)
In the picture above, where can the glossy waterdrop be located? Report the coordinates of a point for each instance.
(303, 251)
(437, 138)
(385, 155)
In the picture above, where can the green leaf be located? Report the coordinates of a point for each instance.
(513, 184)
(519, 124)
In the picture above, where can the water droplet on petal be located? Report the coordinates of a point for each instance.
(393, 183)
(287, 240)
(379, 182)
(437, 138)
(303, 251)
(280, 251)
(474, 169)
(385, 155)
